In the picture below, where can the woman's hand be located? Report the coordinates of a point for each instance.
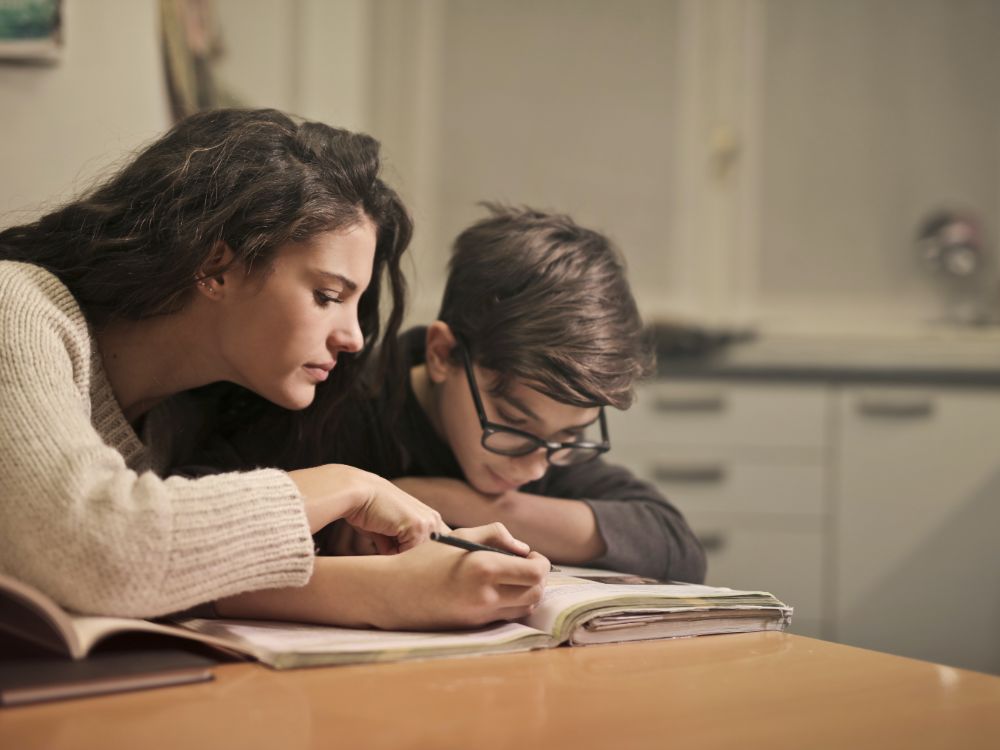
(430, 587)
(341, 538)
(436, 586)
(395, 520)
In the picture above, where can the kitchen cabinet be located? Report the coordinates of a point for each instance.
(873, 509)
(746, 463)
(917, 523)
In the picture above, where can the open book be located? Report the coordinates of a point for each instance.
(600, 607)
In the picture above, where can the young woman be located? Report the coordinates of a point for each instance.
(243, 247)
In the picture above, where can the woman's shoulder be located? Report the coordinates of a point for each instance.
(22, 283)
(39, 315)
(33, 290)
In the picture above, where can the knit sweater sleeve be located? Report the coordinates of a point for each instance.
(96, 535)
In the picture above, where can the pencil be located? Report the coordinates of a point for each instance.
(468, 546)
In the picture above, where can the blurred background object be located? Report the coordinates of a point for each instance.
(951, 244)
(952, 247)
(192, 47)
(31, 31)
(677, 340)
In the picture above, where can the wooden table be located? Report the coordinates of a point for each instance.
(761, 690)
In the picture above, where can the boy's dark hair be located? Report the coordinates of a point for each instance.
(538, 298)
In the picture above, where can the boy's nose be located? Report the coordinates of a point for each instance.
(533, 466)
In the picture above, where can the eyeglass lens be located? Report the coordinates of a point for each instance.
(512, 444)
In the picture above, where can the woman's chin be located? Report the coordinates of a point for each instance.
(295, 400)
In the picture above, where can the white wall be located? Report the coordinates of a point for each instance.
(566, 105)
(843, 123)
(61, 125)
(874, 115)
(758, 161)
(307, 57)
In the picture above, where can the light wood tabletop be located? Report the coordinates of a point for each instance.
(760, 690)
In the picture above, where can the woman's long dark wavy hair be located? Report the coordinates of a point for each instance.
(253, 179)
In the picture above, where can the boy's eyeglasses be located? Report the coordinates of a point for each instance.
(508, 441)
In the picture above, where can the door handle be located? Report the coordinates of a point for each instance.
(706, 402)
(910, 407)
(702, 473)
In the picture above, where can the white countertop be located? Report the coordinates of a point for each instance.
(935, 355)
(932, 350)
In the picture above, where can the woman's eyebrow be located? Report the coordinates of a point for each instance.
(336, 277)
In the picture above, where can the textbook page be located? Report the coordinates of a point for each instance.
(290, 644)
(90, 631)
(679, 625)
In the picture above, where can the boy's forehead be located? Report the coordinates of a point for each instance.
(526, 396)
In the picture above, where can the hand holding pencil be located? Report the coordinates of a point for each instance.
(447, 585)
(465, 544)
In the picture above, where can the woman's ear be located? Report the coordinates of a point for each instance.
(440, 342)
(211, 278)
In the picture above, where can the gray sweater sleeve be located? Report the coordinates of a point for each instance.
(644, 533)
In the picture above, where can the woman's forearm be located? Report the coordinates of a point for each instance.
(329, 492)
(430, 586)
(338, 593)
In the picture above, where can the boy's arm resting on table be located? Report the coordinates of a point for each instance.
(644, 533)
(595, 514)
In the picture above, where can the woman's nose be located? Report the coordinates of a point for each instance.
(347, 337)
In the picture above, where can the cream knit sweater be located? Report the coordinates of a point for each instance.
(83, 514)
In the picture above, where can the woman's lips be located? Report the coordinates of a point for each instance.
(320, 372)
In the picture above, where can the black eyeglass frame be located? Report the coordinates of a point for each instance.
(551, 447)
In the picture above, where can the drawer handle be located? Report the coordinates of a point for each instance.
(712, 542)
(702, 474)
(708, 402)
(903, 408)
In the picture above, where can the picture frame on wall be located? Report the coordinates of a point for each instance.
(31, 31)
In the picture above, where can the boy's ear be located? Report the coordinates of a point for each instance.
(440, 342)
(211, 279)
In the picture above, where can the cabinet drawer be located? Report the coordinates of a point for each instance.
(707, 413)
(786, 560)
(704, 480)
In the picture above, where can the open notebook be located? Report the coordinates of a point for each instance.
(599, 607)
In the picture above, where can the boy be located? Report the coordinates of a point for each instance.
(503, 418)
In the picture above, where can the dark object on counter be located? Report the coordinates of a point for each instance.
(682, 341)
